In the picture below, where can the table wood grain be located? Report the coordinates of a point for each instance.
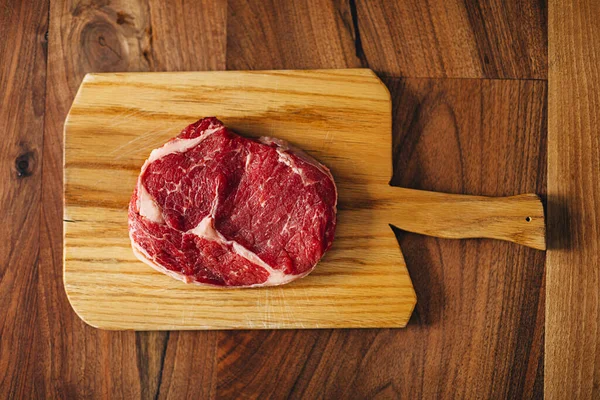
(478, 328)
(573, 277)
(22, 89)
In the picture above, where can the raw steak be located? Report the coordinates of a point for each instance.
(211, 207)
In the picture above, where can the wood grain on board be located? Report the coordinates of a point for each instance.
(455, 39)
(342, 117)
(573, 277)
(22, 94)
(518, 219)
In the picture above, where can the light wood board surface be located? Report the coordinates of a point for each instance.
(572, 363)
(342, 117)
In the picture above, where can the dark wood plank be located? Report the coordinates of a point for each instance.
(76, 360)
(479, 326)
(189, 370)
(293, 364)
(301, 34)
(22, 97)
(188, 35)
(573, 277)
(456, 38)
(480, 302)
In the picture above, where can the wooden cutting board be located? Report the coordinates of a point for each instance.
(341, 117)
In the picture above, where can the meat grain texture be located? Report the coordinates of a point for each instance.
(211, 207)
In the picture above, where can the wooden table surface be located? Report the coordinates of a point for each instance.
(469, 87)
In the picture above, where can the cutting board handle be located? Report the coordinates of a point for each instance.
(519, 219)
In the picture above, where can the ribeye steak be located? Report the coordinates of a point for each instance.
(211, 207)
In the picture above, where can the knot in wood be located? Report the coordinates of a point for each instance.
(104, 47)
(24, 164)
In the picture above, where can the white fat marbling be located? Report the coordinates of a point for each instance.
(147, 206)
(180, 145)
(205, 229)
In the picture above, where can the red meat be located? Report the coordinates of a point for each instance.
(212, 207)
